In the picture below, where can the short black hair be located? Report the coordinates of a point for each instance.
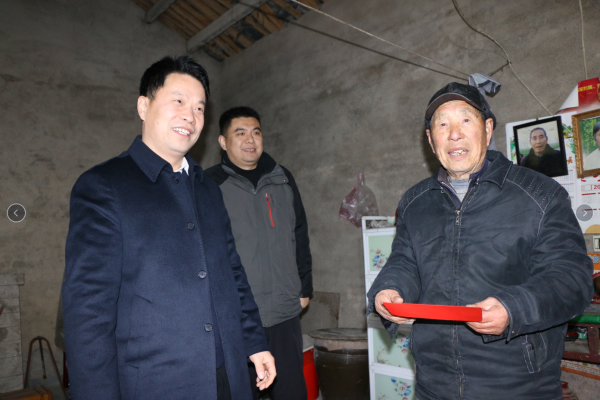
(154, 77)
(596, 128)
(235, 112)
(539, 128)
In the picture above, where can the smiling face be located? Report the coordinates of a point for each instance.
(243, 142)
(538, 141)
(459, 138)
(174, 118)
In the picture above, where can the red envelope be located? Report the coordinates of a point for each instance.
(429, 311)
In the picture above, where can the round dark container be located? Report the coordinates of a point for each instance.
(342, 363)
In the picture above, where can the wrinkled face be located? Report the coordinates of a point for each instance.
(538, 141)
(174, 118)
(243, 142)
(459, 138)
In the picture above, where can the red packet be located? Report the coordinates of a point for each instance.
(429, 311)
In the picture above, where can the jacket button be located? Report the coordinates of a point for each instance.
(190, 226)
(208, 327)
(175, 179)
(202, 274)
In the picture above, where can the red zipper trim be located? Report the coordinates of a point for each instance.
(270, 214)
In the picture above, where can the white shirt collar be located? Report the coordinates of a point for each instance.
(184, 165)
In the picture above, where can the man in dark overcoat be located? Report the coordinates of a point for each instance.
(156, 302)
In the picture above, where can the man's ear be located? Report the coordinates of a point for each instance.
(223, 142)
(142, 106)
(489, 129)
(428, 132)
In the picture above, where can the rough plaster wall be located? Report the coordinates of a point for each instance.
(332, 105)
(69, 75)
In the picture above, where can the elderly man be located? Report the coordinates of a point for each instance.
(486, 233)
(541, 157)
(592, 160)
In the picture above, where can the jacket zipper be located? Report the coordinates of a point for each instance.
(457, 211)
(269, 200)
(457, 223)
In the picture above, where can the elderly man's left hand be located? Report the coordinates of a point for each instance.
(495, 317)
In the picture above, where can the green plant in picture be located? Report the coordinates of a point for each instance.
(567, 131)
(568, 134)
(513, 150)
(588, 144)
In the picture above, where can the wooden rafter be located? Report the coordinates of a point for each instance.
(224, 27)
(231, 17)
(157, 9)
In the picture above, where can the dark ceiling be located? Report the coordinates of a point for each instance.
(223, 28)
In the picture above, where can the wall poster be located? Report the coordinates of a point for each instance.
(584, 192)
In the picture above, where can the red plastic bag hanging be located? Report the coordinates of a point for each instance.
(359, 202)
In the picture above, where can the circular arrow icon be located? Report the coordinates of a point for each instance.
(584, 212)
(16, 212)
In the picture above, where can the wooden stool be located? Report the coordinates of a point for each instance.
(36, 393)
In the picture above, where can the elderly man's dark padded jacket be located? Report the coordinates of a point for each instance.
(514, 238)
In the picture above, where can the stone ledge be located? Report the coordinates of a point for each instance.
(12, 279)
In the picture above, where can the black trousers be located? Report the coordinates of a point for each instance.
(223, 389)
(285, 342)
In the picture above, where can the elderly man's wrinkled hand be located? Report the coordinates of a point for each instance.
(495, 317)
(389, 296)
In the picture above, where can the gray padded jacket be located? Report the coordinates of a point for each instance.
(271, 236)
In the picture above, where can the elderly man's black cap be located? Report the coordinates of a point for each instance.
(459, 91)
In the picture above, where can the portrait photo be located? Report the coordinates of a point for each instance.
(540, 145)
(586, 135)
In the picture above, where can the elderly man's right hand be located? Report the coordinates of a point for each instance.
(389, 296)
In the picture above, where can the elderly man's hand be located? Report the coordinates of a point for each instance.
(389, 296)
(265, 369)
(495, 317)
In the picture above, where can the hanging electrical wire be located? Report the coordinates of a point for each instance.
(378, 38)
(508, 62)
(582, 43)
(505, 53)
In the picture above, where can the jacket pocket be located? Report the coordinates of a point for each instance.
(137, 330)
(535, 351)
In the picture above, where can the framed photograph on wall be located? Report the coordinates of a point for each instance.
(540, 145)
(586, 135)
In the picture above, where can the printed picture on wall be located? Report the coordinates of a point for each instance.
(586, 127)
(540, 146)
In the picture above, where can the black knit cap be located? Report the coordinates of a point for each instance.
(459, 91)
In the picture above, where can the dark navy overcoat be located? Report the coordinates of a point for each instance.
(141, 272)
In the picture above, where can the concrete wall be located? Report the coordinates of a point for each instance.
(69, 75)
(335, 102)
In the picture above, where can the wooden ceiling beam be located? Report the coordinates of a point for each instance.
(221, 24)
(288, 8)
(276, 23)
(227, 46)
(193, 16)
(157, 9)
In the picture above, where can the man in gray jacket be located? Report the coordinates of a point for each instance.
(271, 236)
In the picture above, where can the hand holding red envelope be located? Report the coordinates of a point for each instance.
(430, 311)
